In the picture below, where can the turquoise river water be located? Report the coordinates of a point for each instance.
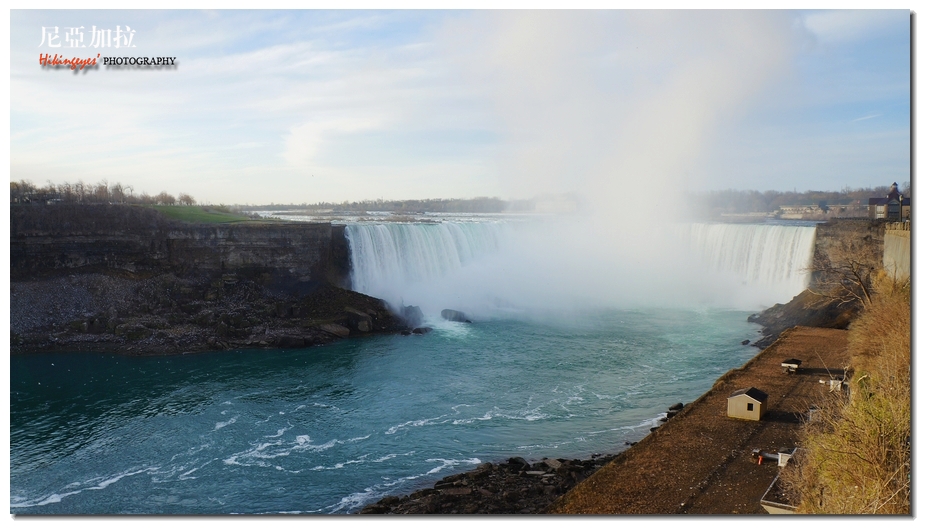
(563, 360)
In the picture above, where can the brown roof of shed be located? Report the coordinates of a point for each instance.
(752, 392)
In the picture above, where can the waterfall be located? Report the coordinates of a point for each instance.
(507, 267)
(388, 260)
(766, 256)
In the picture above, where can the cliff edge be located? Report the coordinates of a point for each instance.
(127, 279)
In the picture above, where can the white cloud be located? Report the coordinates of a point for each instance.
(835, 27)
(304, 141)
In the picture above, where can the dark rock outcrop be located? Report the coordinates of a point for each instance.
(805, 309)
(412, 316)
(454, 315)
(515, 486)
(166, 314)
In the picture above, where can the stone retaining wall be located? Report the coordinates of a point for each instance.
(897, 252)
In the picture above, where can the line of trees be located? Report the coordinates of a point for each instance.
(103, 192)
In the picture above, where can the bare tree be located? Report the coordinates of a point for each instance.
(165, 199)
(101, 192)
(117, 192)
(844, 269)
(80, 190)
(186, 199)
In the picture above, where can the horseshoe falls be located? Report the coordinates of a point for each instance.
(582, 337)
(486, 267)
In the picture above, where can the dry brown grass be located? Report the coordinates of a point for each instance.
(856, 454)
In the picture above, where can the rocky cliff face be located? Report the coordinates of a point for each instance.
(126, 279)
(51, 240)
(833, 240)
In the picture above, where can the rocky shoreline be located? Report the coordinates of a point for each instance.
(165, 314)
(515, 486)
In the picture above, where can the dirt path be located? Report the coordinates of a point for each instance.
(700, 461)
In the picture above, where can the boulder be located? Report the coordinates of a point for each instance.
(454, 315)
(412, 316)
(421, 330)
(335, 329)
(358, 320)
(677, 407)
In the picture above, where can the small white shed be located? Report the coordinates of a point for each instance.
(747, 404)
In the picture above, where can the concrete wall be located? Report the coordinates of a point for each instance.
(897, 250)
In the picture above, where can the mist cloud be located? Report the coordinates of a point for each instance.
(617, 104)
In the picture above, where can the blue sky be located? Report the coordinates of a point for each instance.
(307, 106)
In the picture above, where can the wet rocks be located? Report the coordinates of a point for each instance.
(674, 410)
(166, 314)
(454, 315)
(805, 309)
(335, 329)
(514, 486)
(412, 316)
(358, 320)
(290, 341)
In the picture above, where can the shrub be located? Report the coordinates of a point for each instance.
(856, 454)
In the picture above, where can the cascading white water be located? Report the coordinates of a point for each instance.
(773, 257)
(387, 260)
(555, 266)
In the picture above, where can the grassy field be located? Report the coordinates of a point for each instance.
(200, 214)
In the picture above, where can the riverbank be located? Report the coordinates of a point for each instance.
(131, 280)
(166, 314)
(698, 462)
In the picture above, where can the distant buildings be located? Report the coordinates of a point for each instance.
(893, 207)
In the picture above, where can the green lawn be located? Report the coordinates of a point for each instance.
(199, 214)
